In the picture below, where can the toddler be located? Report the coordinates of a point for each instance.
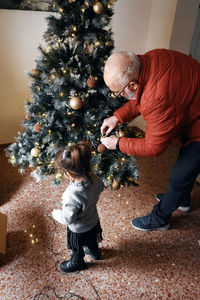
(79, 211)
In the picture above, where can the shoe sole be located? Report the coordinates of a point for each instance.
(72, 271)
(158, 229)
(181, 208)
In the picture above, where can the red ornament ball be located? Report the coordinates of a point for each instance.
(37, 127)
(92, 82)
(101, 148)
(28, 117)
(116, 184)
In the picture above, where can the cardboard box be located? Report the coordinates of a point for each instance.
(3, 229)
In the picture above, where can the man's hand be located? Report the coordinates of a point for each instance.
(110, 142)
(108, 125)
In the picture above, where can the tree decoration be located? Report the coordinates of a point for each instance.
(37, 127)
(75, 103)
(101, 148)
(108, 44)
(98, 7)
(89, 48)
(28, 117)
(121, 133)
(83, 9)
(70, 97)
(116, 184)
(35, 152)
(35, 73)
(13, 159)
(92, 81)
(97, 43)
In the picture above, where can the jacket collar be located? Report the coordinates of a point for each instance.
(143, 77)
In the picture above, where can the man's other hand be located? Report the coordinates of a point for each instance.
(110, 142)
(108, 125)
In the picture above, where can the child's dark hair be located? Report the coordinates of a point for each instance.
(75, 159)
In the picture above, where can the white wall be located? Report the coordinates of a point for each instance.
(184, 24)
(138, 25)
(20, 35)
(160, 24)
(130, 25)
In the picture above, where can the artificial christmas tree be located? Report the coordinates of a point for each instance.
(69, 97)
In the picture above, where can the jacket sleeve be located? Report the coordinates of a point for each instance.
(127, 112)
(160, 129)
(71, 207)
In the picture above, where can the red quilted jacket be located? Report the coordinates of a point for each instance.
(168, 99)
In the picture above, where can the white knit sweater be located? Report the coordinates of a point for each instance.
(79, 211)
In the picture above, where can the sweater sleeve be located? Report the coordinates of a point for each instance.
(127, 112)
(71, 207)
(160, 130)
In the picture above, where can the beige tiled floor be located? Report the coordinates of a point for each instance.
(135, 265)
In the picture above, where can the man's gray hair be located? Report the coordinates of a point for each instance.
(124, 65)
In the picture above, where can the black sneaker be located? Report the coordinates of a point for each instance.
(95, 254)
(184, 207)
(149, 222)
(69, 266)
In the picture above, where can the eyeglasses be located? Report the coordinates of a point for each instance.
(119, 95)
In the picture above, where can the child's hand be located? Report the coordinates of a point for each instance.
(57, 215)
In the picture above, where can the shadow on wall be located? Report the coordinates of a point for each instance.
(10, 178)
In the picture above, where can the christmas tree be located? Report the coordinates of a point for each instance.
(69, 99)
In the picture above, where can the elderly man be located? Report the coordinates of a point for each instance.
(164, 87)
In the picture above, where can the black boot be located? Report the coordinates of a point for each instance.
(94, 253)
(69, 266)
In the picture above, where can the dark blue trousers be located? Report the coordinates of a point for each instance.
(181, 181)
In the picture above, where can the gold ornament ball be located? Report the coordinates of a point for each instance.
(97, 43)
(98, 8)
(35, 152)
(116, 184)
(108, 43)
(75, 103)
(35, 72)
(121, 133)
